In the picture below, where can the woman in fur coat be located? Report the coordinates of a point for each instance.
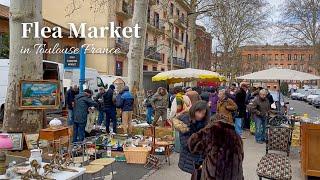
(188, 124)
(222, 149)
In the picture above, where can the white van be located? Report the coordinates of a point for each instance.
(92, 79)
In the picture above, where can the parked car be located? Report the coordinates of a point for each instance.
(304, 94)
(316, 102)
(313, 96)
(301, 94)
(295, 94)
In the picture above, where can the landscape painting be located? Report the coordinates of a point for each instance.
(39, 95)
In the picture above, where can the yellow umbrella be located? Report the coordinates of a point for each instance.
(188, 74)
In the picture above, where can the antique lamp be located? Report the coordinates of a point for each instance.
(5, 144)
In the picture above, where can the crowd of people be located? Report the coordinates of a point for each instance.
(105, 102)
(209, 121)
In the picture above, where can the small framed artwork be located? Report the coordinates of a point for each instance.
(17, 140)
(32, 141)
(39, 94)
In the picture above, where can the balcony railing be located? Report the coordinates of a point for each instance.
(125, 9)
(157, 23)
(151, 53)
(124, 46)
(180, 62)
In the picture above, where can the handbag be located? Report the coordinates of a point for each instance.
(196, 175)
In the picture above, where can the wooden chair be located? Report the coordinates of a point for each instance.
(167, 145)
(276, 166)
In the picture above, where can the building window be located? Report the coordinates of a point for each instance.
(163, 56)
(154, 68)
(158, 2)
(171, 9)
(256, 57)
(119, 68)
(289, 66)
(263, 57)
(282, 57)
(276, 57)
(162, 69)
(310, 57)
(145, 67)
(289, 57)
(178, 12)
(302, 57)
(295, 57)
(182, 36)
(249, 57)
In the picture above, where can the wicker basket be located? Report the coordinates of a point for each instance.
(136, 155)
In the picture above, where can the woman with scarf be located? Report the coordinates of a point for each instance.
(187, 124)
(180, 104)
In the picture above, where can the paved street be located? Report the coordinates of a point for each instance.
(253, 153)
(302, 107)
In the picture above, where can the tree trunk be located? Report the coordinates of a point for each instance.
(192, 34)
(23, 67)
(137, 45)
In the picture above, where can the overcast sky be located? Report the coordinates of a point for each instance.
(270, 34)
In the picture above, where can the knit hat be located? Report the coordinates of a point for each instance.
(112, 87)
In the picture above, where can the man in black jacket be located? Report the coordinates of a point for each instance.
(109, 99)
(71, 93)
(240, 100)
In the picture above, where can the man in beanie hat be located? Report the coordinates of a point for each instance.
(109, 98)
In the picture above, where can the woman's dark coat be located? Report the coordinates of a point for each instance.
(187, 160)
(222, 149)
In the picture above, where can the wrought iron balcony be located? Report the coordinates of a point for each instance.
(151, 53)
(123, 45)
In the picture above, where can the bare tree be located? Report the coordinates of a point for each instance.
(234, 23)
(300, 24)
(22, 66)
(301, 21)
(136, 48)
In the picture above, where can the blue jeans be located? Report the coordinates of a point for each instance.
(149, 114)
(78, 131)
(261, 123)
(70, 117)
(100, 117)
(238, 126)
(111, 115)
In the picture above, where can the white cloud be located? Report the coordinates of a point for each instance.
(5, 2)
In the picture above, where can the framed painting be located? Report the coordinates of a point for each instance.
(39, 94)
(17, 140)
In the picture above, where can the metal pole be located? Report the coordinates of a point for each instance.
(82, 68)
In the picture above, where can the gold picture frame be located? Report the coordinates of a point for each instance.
(42, 94)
